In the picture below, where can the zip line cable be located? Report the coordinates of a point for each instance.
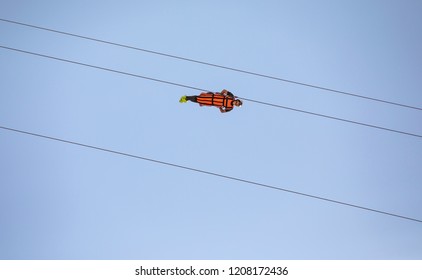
(212, 64)
(207, 173)
(333, 118)
(200, 89)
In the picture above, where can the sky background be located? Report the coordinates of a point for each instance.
(59, 201)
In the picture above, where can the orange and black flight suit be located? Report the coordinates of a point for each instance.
(224, 102)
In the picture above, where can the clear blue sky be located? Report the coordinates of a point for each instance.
(59, 201)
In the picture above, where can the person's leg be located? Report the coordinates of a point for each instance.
(192, 98)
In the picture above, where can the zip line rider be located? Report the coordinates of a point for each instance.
(224, 100)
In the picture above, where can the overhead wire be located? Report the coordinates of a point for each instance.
(215, 174)
(213, 65)
(201, 89)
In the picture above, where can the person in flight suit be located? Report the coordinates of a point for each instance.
(224, 100)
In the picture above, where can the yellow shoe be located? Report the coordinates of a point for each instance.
(183, 99)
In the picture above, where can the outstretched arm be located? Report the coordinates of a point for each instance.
(225, 92)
